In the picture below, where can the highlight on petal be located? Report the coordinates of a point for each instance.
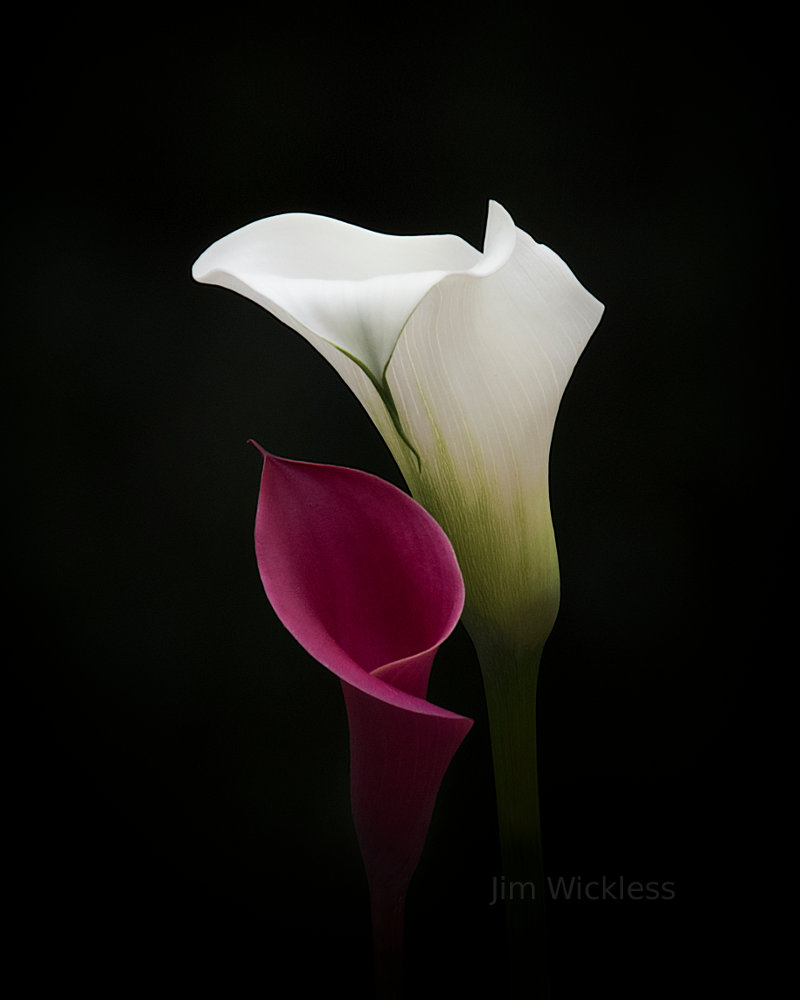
(368, 583)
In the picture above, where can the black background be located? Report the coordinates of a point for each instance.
(178, 765)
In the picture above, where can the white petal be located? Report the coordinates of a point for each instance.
(499, 242)
(352, 287)
(491, 358)
(477, 378)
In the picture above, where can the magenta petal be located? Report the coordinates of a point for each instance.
(368, 583)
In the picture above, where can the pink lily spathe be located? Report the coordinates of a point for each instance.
(368, 583)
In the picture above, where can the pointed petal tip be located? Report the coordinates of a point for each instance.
(499, 242)
(497, 211)
(275, 460)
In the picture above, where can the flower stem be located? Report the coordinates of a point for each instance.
(388, 914)
(510, 681)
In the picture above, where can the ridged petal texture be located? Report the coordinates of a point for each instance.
(369, 585)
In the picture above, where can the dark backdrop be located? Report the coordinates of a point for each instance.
(178, 767)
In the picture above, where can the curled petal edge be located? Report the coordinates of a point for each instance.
(351, 287)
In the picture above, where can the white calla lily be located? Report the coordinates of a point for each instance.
(460, 358)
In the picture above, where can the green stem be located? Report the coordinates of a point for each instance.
(510, 681)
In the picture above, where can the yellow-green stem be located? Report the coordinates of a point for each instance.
(510, 681)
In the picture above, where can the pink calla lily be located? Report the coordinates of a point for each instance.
(368, 583)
